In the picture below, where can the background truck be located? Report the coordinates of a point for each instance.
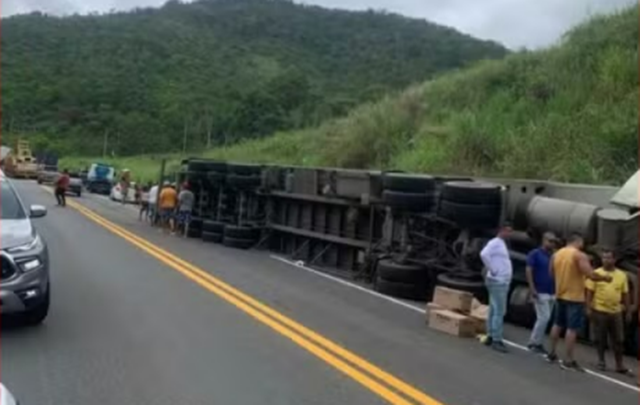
(100, 178)
(20, 162)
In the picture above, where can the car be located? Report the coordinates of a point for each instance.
(6, 398)
(75, 184)
(48, 176)
(116, 193)
(24, 259)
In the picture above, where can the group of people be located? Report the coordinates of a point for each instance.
(564, 278)
(168, 207)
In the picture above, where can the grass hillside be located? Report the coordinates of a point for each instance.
(208, 72)
(568, 113)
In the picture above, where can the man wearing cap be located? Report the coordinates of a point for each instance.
(542, 289)
(186, 200)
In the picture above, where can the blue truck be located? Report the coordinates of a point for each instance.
(100, 178)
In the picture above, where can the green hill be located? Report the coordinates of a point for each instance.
(217, 70)
(568, 113)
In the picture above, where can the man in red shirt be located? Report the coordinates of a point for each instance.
(62, 184)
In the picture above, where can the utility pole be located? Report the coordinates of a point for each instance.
(184, 139)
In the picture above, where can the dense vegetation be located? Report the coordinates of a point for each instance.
(209, 72)
(568, 113)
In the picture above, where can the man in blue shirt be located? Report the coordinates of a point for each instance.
(542, 289)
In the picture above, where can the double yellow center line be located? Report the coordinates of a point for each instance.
(385, 385)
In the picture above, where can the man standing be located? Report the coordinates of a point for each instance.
(542, 289)
(168, 200)
(605, 309)
(153, 204)
(124, 185)
(496, 260)
(186, 200)
(569, 268)
(62, 184)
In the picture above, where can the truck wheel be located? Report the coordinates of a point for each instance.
(213, 226)
(401, 290)
(238, 243)
(240, 232)
(469, 282)
(402, 273)
(211, 237)
(408, 183)
(472, 193)
(414, 202)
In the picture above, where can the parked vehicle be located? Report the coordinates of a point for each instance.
(6, 398)
(100, 178)
(75, 184)
(20, 162)
(116, 193)
(24, 258)
(48, 176)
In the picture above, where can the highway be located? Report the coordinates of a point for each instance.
(141, 318)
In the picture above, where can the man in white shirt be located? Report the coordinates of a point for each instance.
(499, 271)
(153, 204)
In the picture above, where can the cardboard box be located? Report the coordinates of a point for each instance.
(454, 300)
(432, 306)
(452, 323)
(479, 314)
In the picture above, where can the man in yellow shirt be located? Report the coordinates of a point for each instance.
(607, 303)
(168, 200)
(570, 267)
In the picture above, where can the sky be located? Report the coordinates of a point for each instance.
(514, 23)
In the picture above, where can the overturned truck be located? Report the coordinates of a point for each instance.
(406, 233)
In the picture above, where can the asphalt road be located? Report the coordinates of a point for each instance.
(128, 328)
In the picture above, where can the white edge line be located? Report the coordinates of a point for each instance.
(423, 311)
(349, 284)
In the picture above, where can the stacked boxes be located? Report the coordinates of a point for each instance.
(456, 313)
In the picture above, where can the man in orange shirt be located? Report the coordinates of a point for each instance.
(569, 268)
(168, 200)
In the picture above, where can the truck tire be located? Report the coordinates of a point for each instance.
(213, 226)
(238, 243)
(195, 223)
(243, 181)
(408, 183)
(212, 237)
(194, 233)
(400, 290)
(240, 232)
(469, 282)
(472, 216)
(472, 193)
(412, 202)
(402, 273)
(520, 311)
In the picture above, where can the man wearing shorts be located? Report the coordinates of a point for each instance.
(569, 267)
(168, 201)
(153, 204)
(607, 313)
(186, 200)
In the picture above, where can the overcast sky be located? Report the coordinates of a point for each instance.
(515, 23)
